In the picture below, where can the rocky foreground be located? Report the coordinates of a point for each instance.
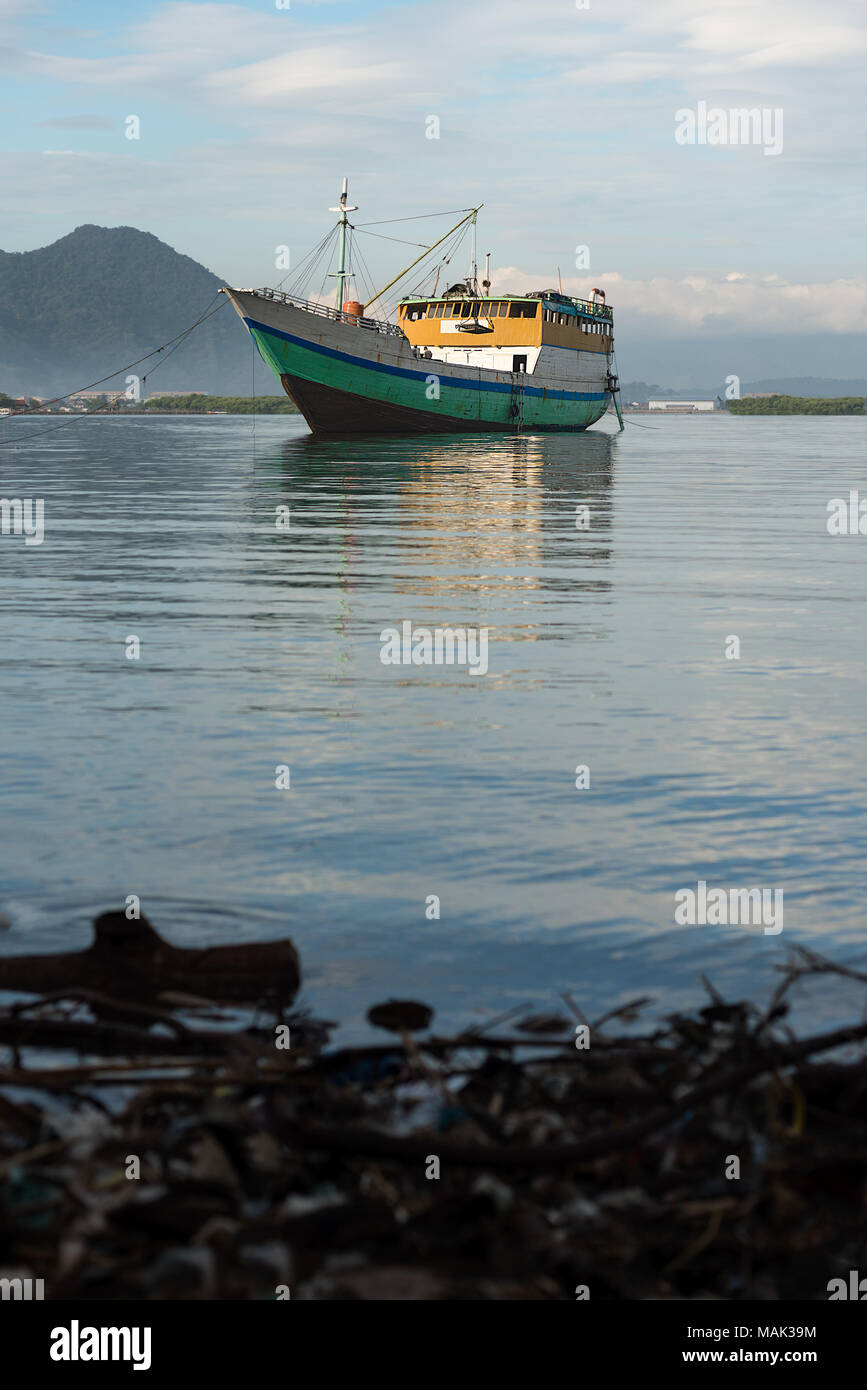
(154, 1147)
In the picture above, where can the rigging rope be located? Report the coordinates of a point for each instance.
(327, 271)
(366, 275)
(303, 272)
(401, 241)
(78, 389)
(445, 253)
(419, 218)
(177, 340)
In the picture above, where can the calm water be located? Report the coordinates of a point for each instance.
(606, 647)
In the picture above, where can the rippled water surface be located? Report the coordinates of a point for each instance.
(606, 648)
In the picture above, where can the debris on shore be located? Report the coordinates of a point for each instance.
(713, 1156)
(129, 960)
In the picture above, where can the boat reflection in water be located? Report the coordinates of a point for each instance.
(473, 525)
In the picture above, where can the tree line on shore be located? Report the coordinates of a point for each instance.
(195, 403)
(198, 404)
(797, 405)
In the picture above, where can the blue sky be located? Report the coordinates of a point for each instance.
(561, 120)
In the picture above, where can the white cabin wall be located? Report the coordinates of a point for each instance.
(494, 359)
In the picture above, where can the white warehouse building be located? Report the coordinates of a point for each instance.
(684, 406)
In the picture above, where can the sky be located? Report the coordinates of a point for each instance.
(569, 121)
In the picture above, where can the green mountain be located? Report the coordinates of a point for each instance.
(101, 297)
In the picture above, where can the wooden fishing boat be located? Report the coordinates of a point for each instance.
(462, 360)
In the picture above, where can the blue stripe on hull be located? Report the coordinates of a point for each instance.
(462, 383)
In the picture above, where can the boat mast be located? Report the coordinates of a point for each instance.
(342, 223)
(474, 270)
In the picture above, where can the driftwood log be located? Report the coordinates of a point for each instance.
(130, 960)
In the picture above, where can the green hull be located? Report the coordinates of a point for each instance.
(341, 391)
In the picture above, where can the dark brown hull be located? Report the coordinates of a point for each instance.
(333, 412)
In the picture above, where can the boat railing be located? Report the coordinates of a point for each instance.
(601, 311)
(335, 315)
(598, 311)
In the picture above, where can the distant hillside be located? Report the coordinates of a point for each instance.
(101, 297)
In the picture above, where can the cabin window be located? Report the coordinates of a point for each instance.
(503, 309)
(439, 311)
(465, 310)
(477, 309)
(522, 311)
(519, 363)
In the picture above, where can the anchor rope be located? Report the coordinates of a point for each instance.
(170, 343)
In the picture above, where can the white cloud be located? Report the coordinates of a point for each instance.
(561, 120)
(332, 69)
(732, 303)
